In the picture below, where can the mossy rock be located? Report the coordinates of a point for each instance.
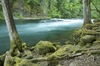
(88, 26)
(87, 38)
(44, 47)
(90, 32)
(96, 24)
(77, 33)
(65, 50)
(96, 20)
(97, 29)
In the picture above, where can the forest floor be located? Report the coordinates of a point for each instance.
(82, 50)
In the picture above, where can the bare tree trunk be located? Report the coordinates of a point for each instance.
(16, 43)
(87, 11)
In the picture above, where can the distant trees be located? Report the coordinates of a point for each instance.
(1, 15)
(95, 8)
(16, 43)
(87, 11)
(47, 8)
(51, 8)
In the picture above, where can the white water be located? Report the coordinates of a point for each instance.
(49, 25)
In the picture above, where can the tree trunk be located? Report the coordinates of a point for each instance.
(87, 12)
(16, 43)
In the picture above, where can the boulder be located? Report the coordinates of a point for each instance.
(44, 47)
(87, 39)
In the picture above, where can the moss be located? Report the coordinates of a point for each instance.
(96, 20)
(90, 32)
(57, 45)
(27, 53)
(77, 33)
(44, 47)
(97, 29)
(87, 39)
(16, 44)
(15, 61)
(88, 26)
(65, 50)
(96, 24)
(76, 36)
(2, 58)
(24, 46)
(26, 63)
(96, 42)
(10, 61)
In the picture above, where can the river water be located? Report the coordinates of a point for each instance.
(32, 31)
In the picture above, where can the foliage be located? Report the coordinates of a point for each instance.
(51, 8)
(1, 13)
(95, 8)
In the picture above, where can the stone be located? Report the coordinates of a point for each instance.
(87, 39)
(44, 47)
(75, 63)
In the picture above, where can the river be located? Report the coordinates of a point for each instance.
(32, 31)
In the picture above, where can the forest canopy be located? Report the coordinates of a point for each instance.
(51, 8)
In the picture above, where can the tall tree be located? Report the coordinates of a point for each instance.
(87, 11)
(16, 43)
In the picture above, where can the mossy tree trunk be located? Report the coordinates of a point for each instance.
(16, 43)
(87, 11)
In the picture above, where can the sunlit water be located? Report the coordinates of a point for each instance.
(32, 31)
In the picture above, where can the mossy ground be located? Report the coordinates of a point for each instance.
(84, 50)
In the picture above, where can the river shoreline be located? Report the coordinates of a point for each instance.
(84, 50)
(48, 30)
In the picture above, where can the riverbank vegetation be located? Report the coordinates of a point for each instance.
(51, 8)
(83, 49)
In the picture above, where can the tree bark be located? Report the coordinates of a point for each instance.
(87, 11)
(16, 43)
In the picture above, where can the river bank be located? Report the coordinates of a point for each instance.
(82, 50)
(54, 30)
